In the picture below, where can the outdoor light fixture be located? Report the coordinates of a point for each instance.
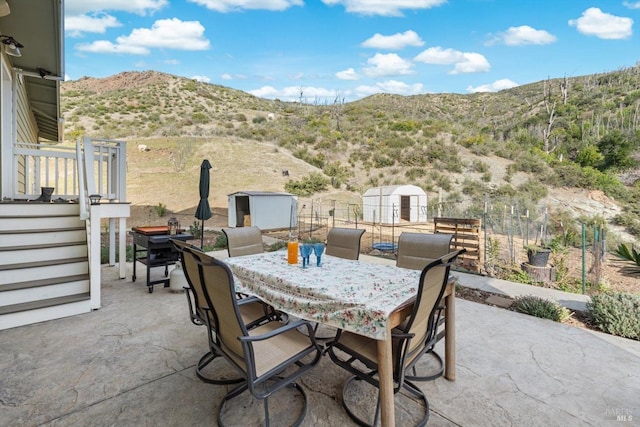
(11, 46)
(4, 8)
(95, 199)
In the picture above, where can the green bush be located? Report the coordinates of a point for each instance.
(616, 313)
(540, 307)
(161, 209)
(104, 254)
(221, 241)
(195, 229)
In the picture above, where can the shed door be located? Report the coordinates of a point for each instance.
(405, 208)
(242, 209)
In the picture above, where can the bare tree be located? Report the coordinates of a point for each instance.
(564, 89)
(551, 110)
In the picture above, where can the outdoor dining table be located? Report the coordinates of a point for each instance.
(361, 297)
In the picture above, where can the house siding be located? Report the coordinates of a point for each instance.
(26, 131)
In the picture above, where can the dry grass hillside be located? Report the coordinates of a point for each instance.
(460, 148)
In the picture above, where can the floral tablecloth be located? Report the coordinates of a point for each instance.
(350, 295)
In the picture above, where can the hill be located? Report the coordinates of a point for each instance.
(533, 145)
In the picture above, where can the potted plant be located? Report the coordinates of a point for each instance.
(538, 255)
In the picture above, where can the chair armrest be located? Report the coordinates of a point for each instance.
(281, 330)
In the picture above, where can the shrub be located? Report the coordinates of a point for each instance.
(616, 313)
(195, 230)
(161, 209)
(221, 241)
(540, 307)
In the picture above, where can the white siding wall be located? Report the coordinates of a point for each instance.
(26, 131)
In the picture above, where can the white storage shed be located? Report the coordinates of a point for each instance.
(266, 210)
(394, 203)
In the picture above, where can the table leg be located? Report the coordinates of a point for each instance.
(450, 336)
(135, 254)
(385, 372)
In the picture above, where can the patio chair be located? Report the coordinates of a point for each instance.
(247, 241)
(253, 311)
(358, 354)
(415, 251)
(269, 357)
(344, 242)
(244, 241)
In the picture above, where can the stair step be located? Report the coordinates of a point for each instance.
(11, 239)
(42, 282)
(42, 230)
(42, 246)
(49, 302)
(47, 254)
(39, 224)
(56, 269)
(44, 263)
(20, 318)
(38, 209)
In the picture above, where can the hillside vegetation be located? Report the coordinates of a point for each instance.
(553, 142)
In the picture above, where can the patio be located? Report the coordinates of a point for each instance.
(132, 363)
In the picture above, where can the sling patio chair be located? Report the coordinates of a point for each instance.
(358, 354)
(269, 357)
(415, 251)
(252, 310)
(244, 241)
(344, 242)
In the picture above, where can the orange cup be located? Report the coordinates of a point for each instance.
(292, 252)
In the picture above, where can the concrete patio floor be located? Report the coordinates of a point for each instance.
(131, 363)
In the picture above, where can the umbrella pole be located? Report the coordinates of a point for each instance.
(202, 236)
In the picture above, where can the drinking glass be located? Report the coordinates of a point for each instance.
(305, 252)
(318, 248)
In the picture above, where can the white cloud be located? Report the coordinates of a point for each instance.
(171, 61)
(390, 86)
(226, 76)
(464, 62)
(471, 63)
(522, 35)
(594, 22)
(140, 7)
(348, 74)
(396, 41)
(384, 7)
(264, 92)
(76, 25)
(165, 33)
(494, 87)
(632, 4)
(105, 46)
(203, 79)
(238, 5)
(389, 64)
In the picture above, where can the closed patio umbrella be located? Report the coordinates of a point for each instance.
(203, 211)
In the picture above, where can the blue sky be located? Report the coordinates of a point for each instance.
(350, 49)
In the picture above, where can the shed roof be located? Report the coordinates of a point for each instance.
(405, 190)
(260, 193)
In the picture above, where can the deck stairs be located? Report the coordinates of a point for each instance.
(44, 263)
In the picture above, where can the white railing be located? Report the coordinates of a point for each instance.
(101, 171)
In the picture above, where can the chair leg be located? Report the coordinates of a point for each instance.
(437, 374)
(243, 387)
(205, 360)
(407, 385)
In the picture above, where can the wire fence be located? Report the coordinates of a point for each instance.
(507, 233)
